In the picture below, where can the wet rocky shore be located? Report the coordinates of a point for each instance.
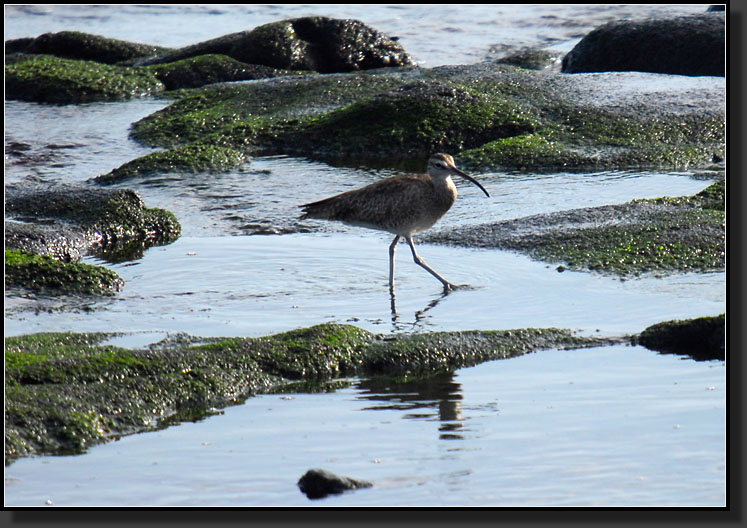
(337, 90)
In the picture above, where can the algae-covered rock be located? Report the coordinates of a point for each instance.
(493, 117)
(703, 338)
(68, 221)
(258, 112)
(206, 69)
(194, 157)
(687, 45)
(664, 235)
(580, 136)
(48, 79)
(46, 275)
(415, 119)
(214, 129)
(82, 46)
(65, 392)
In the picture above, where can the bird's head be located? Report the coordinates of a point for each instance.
(442, 165)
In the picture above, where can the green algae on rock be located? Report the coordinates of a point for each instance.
(49, 79)
(194, 157)
(65, 392)
(497, 116)
(581, 137)
(660, 235)
(703, 338)
(415, 119)
(46, 275)
(198, 71)
(265, 108)
(212, 129)
(525, 151)
(67, 221)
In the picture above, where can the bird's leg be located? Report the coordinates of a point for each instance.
(392, 251)
(420, 262)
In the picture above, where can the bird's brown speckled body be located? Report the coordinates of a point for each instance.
(402, 205)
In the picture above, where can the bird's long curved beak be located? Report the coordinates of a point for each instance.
(456, 171)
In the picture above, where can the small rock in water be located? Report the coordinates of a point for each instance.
(318, 483)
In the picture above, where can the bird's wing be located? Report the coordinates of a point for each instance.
(372, 204)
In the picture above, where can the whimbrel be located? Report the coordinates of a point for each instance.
(402, 205)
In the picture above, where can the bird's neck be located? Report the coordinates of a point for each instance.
(445, 187)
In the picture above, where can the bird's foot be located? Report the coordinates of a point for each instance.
(449, 287)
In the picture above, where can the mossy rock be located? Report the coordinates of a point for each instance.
(492, 117)
(578, 138)
(48, 79)
(65, 391)
(523, 152)
(207, 69)
(70, 220)
(677, 240)
(415, 119)
(256, 113)
(43, 274)
(665, 235)
(703, 338)
(192, 158)
(82, 46)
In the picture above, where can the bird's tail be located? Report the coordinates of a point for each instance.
(316, 210)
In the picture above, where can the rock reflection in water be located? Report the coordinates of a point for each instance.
(437, 397)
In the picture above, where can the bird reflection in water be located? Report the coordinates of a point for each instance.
(437, 397)
(419, 315)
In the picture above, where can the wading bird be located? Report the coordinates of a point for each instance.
(402, 205)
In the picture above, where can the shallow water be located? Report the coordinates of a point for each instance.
(608, 426)
(237, 286)
(612, 426)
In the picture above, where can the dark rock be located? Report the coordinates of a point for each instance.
(63, 242)
(702, 339)
(321, 44)
(687, 45)
(82, 46)
(310, 43)
(318, 483)
(208, 69)
(529, 58)
(67, 221)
